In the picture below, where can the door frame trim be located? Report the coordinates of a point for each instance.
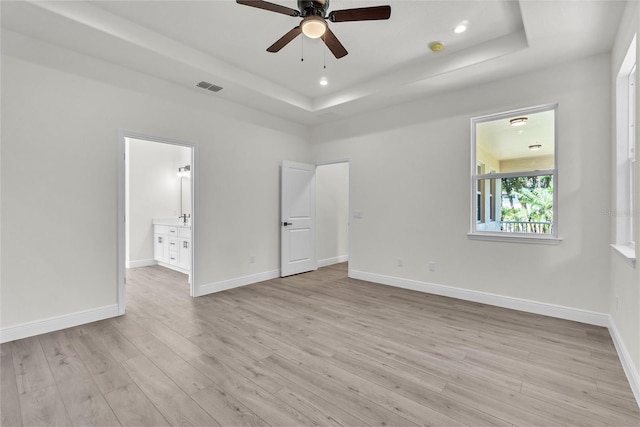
(348, 162)
(122, 204)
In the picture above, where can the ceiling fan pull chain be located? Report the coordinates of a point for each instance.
(301, 49)
(324, 51)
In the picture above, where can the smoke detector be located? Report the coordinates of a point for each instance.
(436, 47)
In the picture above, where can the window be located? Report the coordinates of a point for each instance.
(625, 173)
(514, 175)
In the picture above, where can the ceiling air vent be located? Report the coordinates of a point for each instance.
(209, 86)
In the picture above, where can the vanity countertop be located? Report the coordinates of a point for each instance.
(172, 222)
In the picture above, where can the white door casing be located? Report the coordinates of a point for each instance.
(298, 218)
(123, 135)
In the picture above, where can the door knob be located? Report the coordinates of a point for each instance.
(287, 223)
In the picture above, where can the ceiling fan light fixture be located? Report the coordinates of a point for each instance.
(313, 26)
(519, 121)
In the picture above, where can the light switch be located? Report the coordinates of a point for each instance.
(357, 214)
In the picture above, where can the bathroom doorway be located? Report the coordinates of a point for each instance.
(156, 220)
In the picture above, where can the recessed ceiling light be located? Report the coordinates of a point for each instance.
(535, 147)
(518, 121)
(324, 81)
(461, 27)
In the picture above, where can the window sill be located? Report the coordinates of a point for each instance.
(515, 238)
(626, 252)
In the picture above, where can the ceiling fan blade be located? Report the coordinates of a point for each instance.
(334, 44)
(272, 7)
(361, 14)
(284, 40)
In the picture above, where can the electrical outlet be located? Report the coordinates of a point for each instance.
(432, 266)
(252, 259)
(400, 263)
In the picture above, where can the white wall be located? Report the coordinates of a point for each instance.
(153, 191)
(332, 193)
(624, 278)
(59, 185)
(410, 177)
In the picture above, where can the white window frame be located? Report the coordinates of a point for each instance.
(631, 160)
(476, 234)
(625, 160)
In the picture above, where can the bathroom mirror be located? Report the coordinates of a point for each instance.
(185, 185)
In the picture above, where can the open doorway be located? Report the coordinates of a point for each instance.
(156, 196)
(332, 195)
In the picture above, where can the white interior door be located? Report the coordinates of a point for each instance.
(298, 218)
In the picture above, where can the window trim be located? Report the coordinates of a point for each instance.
(625, 203)
(474, 233)
(631, 156)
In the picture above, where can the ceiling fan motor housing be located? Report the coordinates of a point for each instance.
(313, 7)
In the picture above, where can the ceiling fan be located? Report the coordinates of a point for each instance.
(314, 21)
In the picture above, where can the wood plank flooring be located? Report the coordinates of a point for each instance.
(314, 349)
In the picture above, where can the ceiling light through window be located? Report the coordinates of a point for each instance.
(518, 121)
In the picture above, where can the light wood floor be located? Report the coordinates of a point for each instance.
(314, 349)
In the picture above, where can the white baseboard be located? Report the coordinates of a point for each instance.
(37, 327)
(335, 260)
(562, 312)
(625, 359)
(236, 282)
(141, 263)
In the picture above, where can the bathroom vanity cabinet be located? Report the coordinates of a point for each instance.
(172, 246)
